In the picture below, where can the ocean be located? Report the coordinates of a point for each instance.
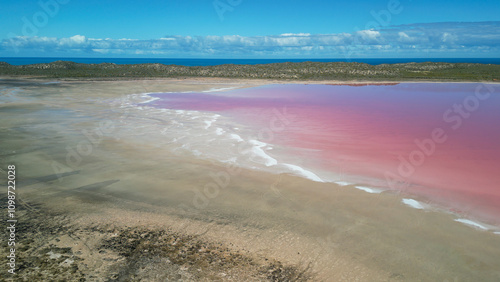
(212, 62)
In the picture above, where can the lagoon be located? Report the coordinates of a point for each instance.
(437, 142)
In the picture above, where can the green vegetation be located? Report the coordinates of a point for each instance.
(286, 71)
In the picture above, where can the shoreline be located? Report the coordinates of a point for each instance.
(469, 221)
(422, 202)
(131, 179)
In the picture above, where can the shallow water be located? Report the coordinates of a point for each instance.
(439, 142)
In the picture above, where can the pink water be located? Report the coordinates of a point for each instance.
(373, 131)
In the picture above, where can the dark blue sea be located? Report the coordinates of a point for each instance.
(212, 62)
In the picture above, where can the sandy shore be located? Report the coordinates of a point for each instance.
(126, 207)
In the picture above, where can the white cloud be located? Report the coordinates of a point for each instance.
(295, 34)
(78, 38)
(448, 37)
(101, 51)
(369, 34)
(403, 35)
(455, 37)
(74, 41)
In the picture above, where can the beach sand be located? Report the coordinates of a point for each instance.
(125, 206)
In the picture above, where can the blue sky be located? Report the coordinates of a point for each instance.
(250, 28)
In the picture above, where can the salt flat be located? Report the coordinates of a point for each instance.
(98, 169)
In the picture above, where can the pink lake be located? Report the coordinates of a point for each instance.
(437, 141)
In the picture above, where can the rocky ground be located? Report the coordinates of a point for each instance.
(49, 247)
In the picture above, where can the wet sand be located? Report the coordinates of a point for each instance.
(114, 205)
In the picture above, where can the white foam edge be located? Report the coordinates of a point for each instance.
(236, 137)
(218, 89)
(342, 183)
(257, 151)
(151, 99)
(163, 92)
(413, 203)
(369, 189)
(230, 160)
(303, 172)
(219, 131)
(472, 223)
(209, 122)
(147, 96)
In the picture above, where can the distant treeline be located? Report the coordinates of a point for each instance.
(286, 71)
